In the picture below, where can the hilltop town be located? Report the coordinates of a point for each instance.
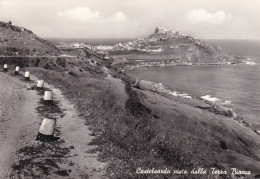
(170, 47)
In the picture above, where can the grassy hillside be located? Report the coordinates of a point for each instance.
(152, 131)
(16, 40)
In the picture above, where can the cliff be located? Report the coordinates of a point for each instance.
(19, 41)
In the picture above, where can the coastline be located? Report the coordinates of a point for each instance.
(209, 94)
(147, 111)
(206, 102)
(152, 64)
(176, 109)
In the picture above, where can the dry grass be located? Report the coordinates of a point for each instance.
(126, 139)
(168, 134)
(216, 140)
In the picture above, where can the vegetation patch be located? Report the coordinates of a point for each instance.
(132, 133)
(39, 159)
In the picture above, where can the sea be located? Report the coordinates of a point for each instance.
(238, 85)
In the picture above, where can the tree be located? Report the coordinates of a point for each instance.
(10, 22)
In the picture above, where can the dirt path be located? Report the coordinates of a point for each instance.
(17, 119)
(19, 124)
(77, 137)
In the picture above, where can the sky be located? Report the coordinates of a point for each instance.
(205, 19)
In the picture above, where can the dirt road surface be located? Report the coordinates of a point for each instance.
(17, 115)
(19, 124)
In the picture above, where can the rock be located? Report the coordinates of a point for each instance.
(150, 86)
(227, 111)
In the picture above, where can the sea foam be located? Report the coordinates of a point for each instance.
(249, 62)
(209, 98)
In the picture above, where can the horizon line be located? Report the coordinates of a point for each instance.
(143, 37)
